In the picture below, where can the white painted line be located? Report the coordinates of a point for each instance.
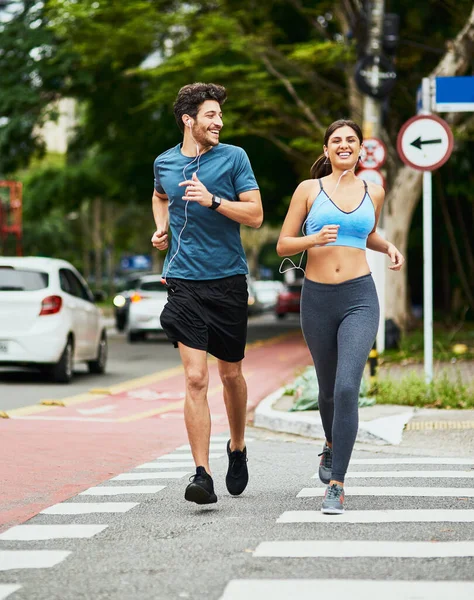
(87, 508)
(183, 456)
(412, 461)
(314, 589)
(414, 473)
(393, 491)
(147, 475)
(7, 590)
(118, 490)
(162, 465)
(379, 516)
(226, 436)
(31, 559)
(97, 411)
(50, 532)
(353, 549)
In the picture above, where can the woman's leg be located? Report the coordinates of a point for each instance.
(356, 336)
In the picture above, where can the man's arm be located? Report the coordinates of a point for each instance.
(161, 216)
(249, 211)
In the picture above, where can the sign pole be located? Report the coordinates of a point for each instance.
(427, 251)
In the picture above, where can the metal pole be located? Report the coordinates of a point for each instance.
(427, 251)
(371, 127)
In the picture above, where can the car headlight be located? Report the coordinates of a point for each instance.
(119, 301)
(251, 300)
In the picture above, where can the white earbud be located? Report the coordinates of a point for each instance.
(188, 122)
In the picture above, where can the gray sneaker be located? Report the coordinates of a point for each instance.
(325, 465)
(333, 503)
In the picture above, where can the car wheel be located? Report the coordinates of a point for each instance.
(62, 371)
(120, 323)
(281, 315)
(135, 336)
(98, 365)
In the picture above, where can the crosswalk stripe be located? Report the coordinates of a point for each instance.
(318, 589)
(379, 516)
(414, 473)
(163, 465)
(185, 456)
(7, 590)
(358, 549)
(50, 532)
(412, 461)
(402, 474)
(147, 475)
(118, 490)
(31, 559)
(393, 491)
(87, 508)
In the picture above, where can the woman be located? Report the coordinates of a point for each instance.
(339, 305)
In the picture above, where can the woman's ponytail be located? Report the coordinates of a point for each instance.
(321, 167)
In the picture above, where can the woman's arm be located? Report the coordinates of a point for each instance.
(375, 241)
(291, 241)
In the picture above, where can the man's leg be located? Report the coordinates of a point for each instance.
(196, 408)
(235, 398)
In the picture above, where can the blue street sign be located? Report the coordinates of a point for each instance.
(138, 262)
(454, 94)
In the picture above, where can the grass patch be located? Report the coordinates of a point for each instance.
(449, 344)
(412, 390)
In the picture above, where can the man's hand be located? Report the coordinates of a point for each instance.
(396, 257)
(160, 240)
(197, 192)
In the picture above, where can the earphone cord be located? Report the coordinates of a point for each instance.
(198, 157)
(299, 267)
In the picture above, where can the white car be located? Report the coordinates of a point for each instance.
(267, 292)
(146, 305)
(48, 318)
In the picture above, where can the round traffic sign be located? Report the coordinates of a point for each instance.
(425, 142)
(373, 154)
(381, 85)
(372, 176)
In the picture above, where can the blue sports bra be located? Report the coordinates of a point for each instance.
(354, 226)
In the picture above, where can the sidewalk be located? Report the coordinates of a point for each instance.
(384, 425)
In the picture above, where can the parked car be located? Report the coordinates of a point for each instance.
(267, 292)
(48, 318)
(288, 300)
(255, 307)
(121, 300)
(147, 301)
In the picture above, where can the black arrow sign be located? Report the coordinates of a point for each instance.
(418, 143)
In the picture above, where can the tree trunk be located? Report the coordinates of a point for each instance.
(97, 240)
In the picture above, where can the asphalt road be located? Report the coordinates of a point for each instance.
(164, 548)
(21, 387)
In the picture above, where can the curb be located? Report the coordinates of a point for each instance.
(382, 431)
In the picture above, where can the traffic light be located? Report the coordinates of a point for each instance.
(390, 33)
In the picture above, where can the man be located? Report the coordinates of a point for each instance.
(203, 191)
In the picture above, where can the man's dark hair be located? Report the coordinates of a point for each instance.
(190, 97)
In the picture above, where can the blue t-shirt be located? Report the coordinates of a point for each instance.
(210, 245)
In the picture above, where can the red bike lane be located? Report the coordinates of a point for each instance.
(49, 453)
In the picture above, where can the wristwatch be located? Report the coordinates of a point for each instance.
(216, 202)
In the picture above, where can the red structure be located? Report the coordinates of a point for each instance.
(10, 215)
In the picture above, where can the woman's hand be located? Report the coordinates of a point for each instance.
(396, 257)
(327, 235)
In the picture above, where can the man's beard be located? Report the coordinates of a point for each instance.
(204, 140)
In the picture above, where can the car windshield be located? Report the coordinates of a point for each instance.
(152, 286)
(20, 280)
(294, 288)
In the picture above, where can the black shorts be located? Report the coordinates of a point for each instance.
(208, 315)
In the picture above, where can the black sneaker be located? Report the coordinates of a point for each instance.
(325, 465)
(237, 474)
(201, 488)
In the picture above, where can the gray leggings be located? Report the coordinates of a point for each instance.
(339, 323)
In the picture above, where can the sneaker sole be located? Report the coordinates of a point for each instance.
(332, 511)
(195, 493)
(235, 492)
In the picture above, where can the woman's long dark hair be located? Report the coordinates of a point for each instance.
(322, 166)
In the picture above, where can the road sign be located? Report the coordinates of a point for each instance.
(425, 142)
(375, 76)
(373, 154)
(454, 94)
(138, 262)
(371, 176)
